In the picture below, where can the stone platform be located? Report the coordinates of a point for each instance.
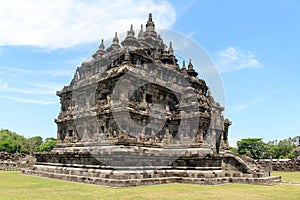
(138, 177)
(131, 166)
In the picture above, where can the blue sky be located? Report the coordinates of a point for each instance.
(254, 44)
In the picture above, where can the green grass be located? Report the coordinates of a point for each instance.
(288, 176)
(14, 185)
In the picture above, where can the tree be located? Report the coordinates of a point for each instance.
(11, 142)
(48, 145)
(33, 143)
(272, 149)
(252, 147)
(257, 149)
(286, 148)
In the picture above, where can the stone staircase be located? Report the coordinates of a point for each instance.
(135, 177)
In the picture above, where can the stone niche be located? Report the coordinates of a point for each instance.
(132, 116)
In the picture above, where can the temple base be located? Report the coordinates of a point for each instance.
(129, 167)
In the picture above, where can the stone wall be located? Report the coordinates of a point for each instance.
(190, 168)
(138, 177)
(288, 165)
(15, 161)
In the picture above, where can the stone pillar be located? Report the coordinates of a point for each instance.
(227, 123)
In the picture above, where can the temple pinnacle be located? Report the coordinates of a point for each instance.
(150, 24)
(171, 51)
(130, 33)
(102, 47)
(141, 33)
(116, 40)
(190, 66)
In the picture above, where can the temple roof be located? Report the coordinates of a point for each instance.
(147, 47)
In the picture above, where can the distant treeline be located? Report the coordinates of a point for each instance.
(12, 142)
(257, 149)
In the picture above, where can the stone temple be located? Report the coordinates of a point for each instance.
(132, 116)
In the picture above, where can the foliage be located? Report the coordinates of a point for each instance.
(11, 142)
(48, 145)
(257, 149)
(33, 143)
(286, 148)
(252, 147)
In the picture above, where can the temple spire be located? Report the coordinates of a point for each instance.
(190, 66)
(116, 40)
(102, 47)
(141, 33)
(191, 70)
(115, 43)
(171, 51)
(183, 68)
(130, 33)
(150, 24)
(150, 17)
(183, 65)
(101, 50)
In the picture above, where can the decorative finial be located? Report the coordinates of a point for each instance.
(150, 17)
(190, 66)
(183, 69)
(102, 47)
(116, 40)
(191, 71)
(141, 33)
(101, 50)
(150, 24)
(115, 43)
(171, 51)
(130, 33)
(183, 65)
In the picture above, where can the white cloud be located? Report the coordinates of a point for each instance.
(29, 101)
(43, 88)
(234, 58)
(54, 73)
(3, 85)
(59, 24)
(25, 87)
(247, 104)
(255, 100)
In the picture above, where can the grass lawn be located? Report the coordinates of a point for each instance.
(288, 176)
(14, 185)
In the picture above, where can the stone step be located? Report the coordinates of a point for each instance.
(127, 167)
(122, 178)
